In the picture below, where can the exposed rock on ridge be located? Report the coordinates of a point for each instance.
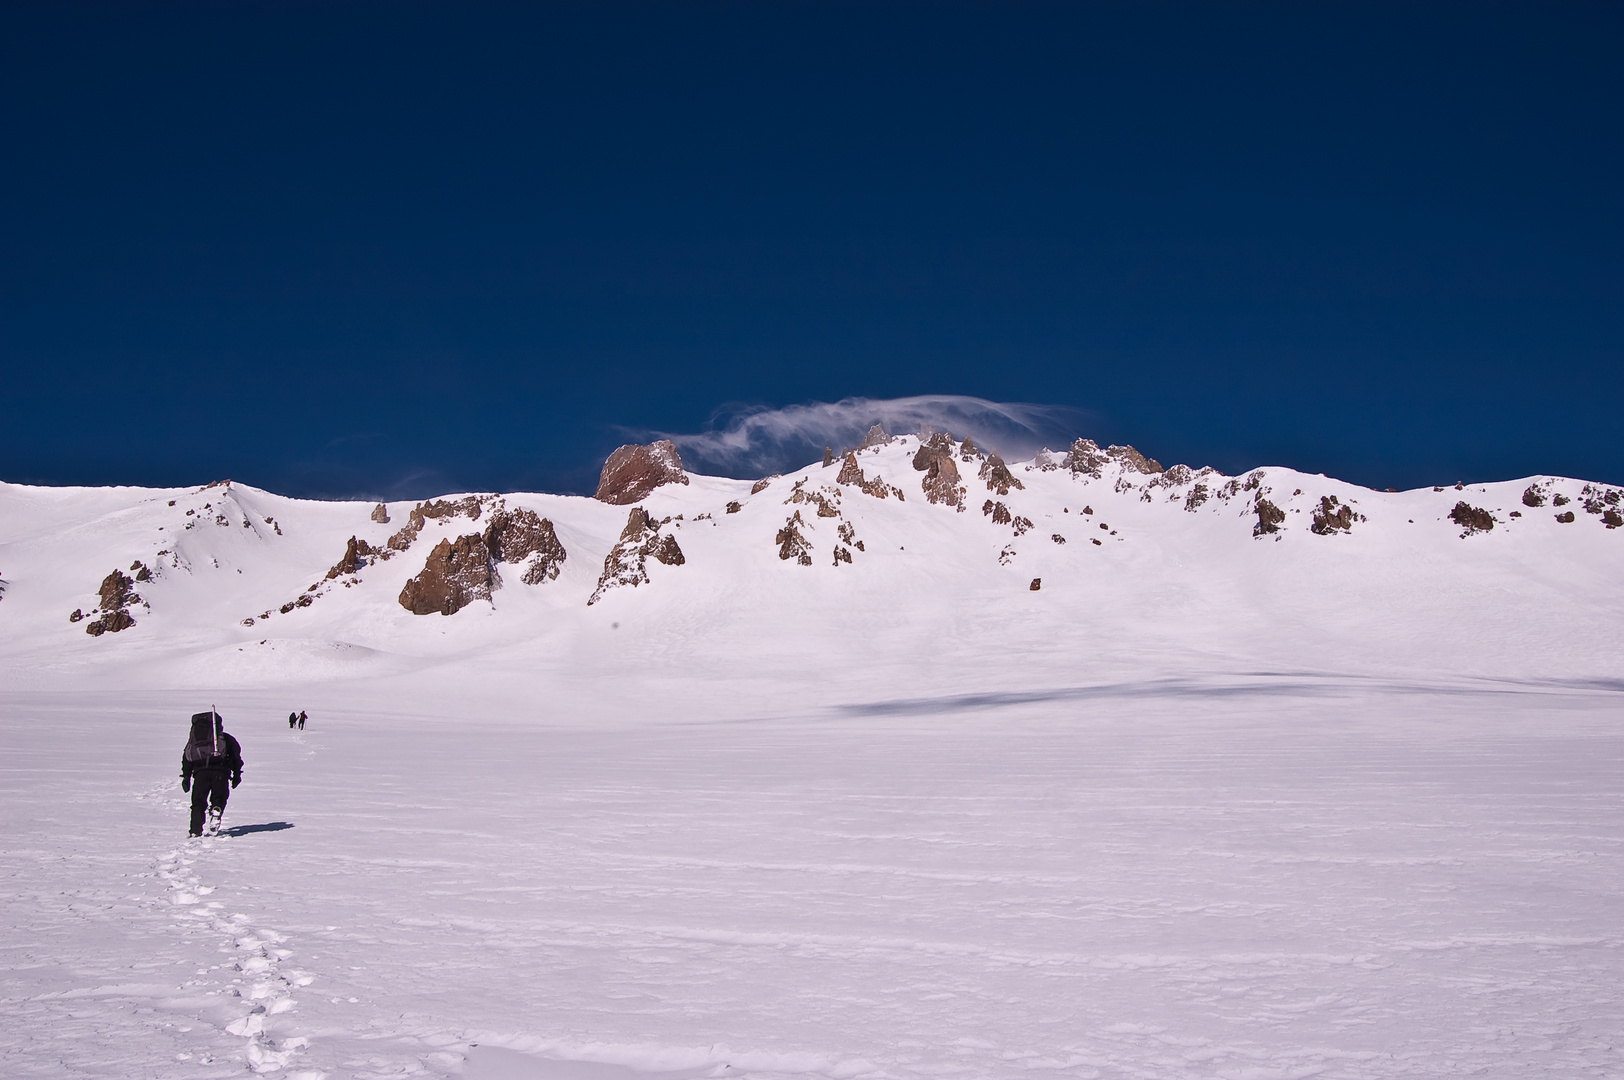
(456, 574)
(627, 561)
(633, 471)
(516, 536)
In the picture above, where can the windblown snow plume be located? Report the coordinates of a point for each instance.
(755, 441)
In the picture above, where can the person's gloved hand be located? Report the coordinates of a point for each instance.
(186, 783)
(235, 780)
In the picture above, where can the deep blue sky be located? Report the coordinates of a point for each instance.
(397, 249)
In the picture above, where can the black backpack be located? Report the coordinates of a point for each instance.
(207, 747)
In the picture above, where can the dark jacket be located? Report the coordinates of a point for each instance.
(229, 760)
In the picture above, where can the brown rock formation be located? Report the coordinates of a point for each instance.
(1533, 496)
(456, 573)
(734, 507)
(1471, 519)
(997, 476)
(1085, 458)
(876, 437)
(1197, 496)
(633, 471)
(1565, 517)
(627, 561)
(110, 622)
(1037, 583)
(850, 471)
(1269, 517)
(117, 591)
(941, 483)
(515, 536)
(763, 484)
(1330, 518)
(380, 514)
(1129, 458)
(356, 554)
(791, 544)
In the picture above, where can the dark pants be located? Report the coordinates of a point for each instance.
(208, 786)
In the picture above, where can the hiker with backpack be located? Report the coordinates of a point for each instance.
(301, 719)
(210, 766)
(293, 718)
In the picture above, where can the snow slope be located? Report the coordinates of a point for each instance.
(1207, 804)
(925, 607)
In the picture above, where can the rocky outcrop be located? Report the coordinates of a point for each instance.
(117, 594)
(472, 505)
(876, 437)
(826, 501)
(763, 484)
(456, 573)
(791, 544)
(1330, 517)
(633, 471)
(1471, 519)
(380, 514)
(1085, 458)
(1533, 496)
(852, 474)
(627, 561)
(357, 554)
(1269, 517)
(997, 475)
(1566, 517)
(941, 483)
(520, 536)
(1195, 498)
(1131, 459)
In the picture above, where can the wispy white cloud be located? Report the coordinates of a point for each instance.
(754, 440)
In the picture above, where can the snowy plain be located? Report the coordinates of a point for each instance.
(1208, 804)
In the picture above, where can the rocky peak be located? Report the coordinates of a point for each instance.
(514, 536)
(633, 471)
(997, 475)
(941, 483)
(1129, 458)
(356, 556)
(456, 573)
(1085, 458)
(380, 514)
(627, 561)
(876, 437)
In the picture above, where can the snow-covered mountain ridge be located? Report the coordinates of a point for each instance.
(922, 565)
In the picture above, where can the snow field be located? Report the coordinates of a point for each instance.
(1283, 878)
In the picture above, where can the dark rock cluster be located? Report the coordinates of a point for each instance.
(1471, 519)
(456, 573)
(117, 594)
(627, 561)
(357, 554)
(633, 471)
(941, 482)
(1269, 517)
(998, 476)
(516, 536)
(1329, 517)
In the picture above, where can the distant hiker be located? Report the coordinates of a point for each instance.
(301, 719)
(293, 719)
(211, 760)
